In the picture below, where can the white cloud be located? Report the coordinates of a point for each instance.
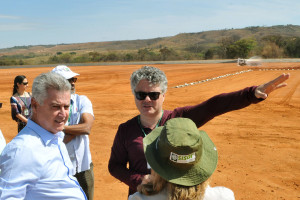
(16, 27)
(9, 17)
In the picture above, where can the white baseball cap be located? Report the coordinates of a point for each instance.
(64, 71)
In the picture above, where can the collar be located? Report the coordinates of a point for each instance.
(74, 98)
(45, 135)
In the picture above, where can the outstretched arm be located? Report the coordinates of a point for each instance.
(263, 90)
(227, 102)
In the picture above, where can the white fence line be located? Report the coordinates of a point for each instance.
(233, 74)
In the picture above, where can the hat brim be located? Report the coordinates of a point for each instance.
(69, 75)
(195, 175)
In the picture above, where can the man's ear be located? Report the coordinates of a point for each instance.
(33, 103)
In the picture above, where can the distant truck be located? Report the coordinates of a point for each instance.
(253, 61)
(241, 62)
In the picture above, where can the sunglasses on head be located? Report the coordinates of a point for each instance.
(72, 80)
(143, 95)
(25, 83)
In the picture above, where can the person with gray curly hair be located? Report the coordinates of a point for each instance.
(153, 75)
(35, 164)
(149, 85)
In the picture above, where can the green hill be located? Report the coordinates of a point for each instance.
(181, 41)
(181, 44)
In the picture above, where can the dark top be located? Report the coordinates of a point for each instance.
(20, 105)
(128, 142)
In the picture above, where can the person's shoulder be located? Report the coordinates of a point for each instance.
(20, 143)
(219, 192)
(139, 196)
(24, 150)
(136, 196)
(84, 98)
(129, 122)
(13, 97)
(129, 128)
(81, 99)
(85, 105)
(24, 137)
(80, 96)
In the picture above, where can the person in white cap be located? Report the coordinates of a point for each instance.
(77, 130)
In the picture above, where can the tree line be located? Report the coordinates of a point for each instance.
(272, 46)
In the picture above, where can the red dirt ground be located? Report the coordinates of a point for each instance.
(258, 146)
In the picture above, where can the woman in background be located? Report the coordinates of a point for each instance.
(20, 102)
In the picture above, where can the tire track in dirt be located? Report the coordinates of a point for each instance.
(286, 100)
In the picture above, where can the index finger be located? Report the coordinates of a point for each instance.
(280, 79)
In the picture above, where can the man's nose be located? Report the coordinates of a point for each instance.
(63, 111)
(147, 98)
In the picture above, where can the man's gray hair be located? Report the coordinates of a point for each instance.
(152, 74)
(46, 81)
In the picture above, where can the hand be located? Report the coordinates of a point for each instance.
(263, 90)
(68, 138)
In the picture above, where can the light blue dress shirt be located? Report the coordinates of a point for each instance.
(2, 142)
(35, 165)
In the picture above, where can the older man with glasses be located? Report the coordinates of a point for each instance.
(77, 130)
(149, 85)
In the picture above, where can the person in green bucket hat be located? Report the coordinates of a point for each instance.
(182, 159)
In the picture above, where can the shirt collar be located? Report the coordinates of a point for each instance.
(73, 97)
(45, 135)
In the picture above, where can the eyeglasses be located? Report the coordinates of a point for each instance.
(143, 95)
(25, 83)
(72, 80)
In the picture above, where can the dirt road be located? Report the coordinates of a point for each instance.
(258, 146)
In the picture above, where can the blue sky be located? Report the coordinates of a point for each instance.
(34, 22)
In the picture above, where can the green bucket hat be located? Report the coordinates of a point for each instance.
(180, 153)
